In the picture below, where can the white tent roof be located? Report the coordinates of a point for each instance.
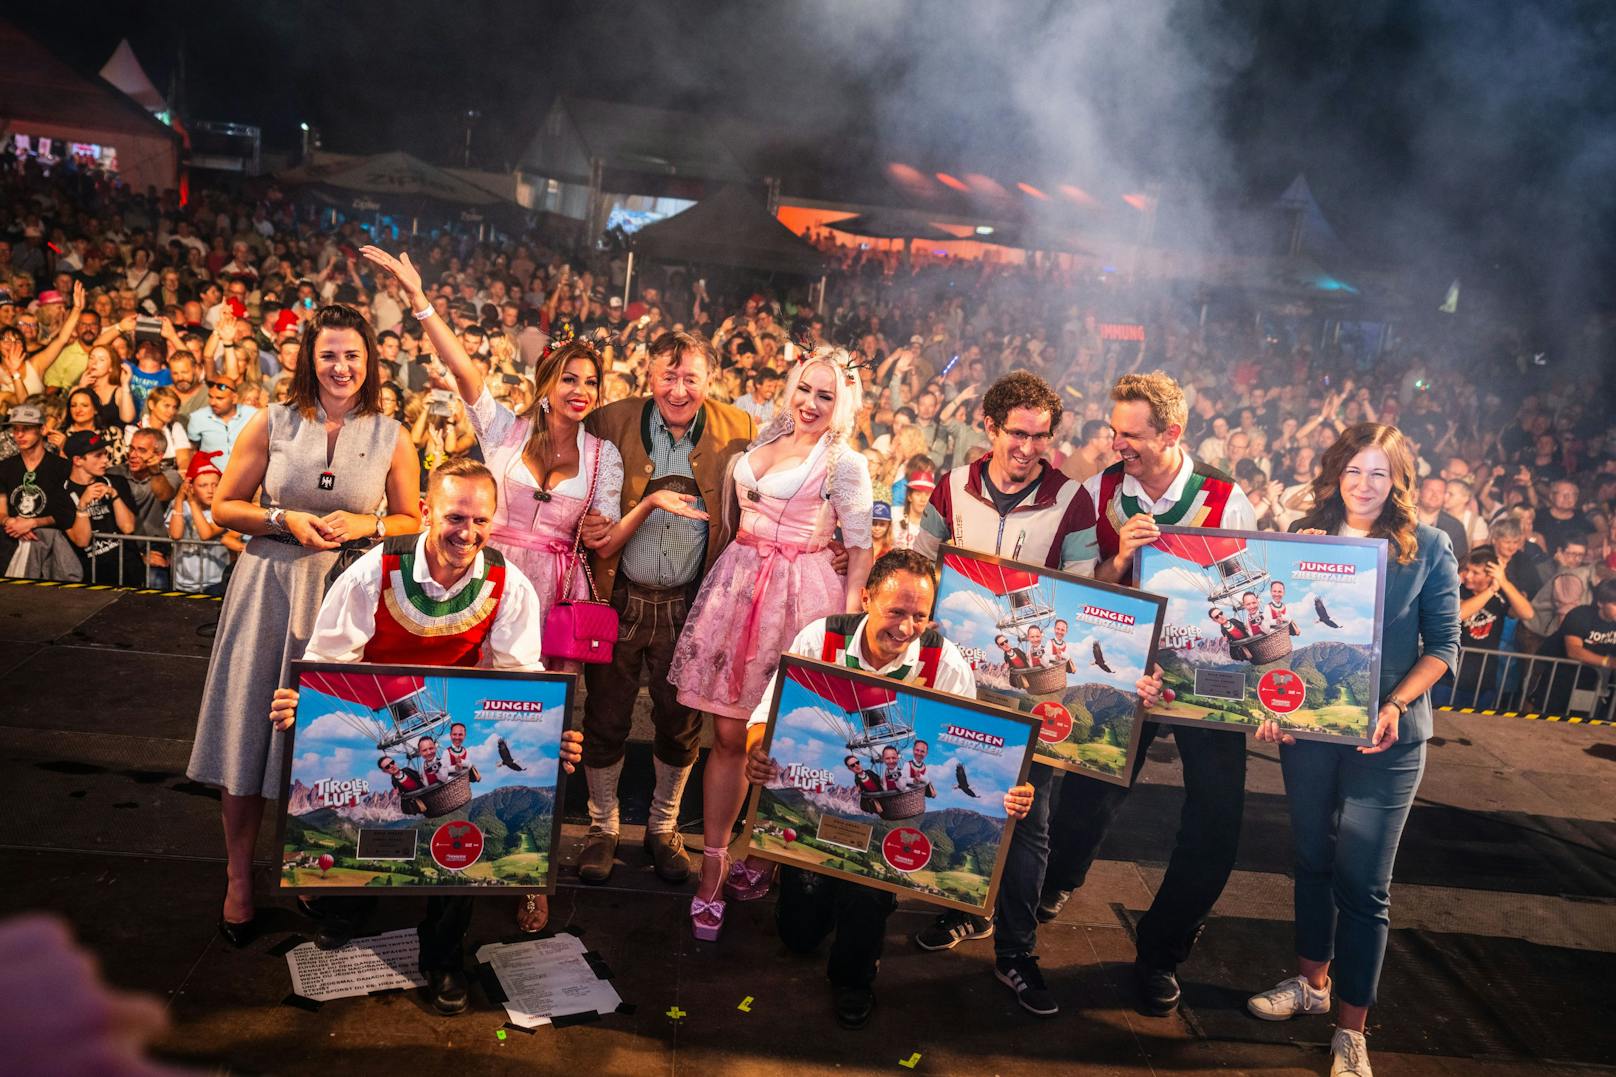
(123, 70)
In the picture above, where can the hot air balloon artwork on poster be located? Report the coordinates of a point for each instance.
(402, 718)
(872, 722)
(1244, 639)
(1067, 649)
(1233, 574)
(887, 783)
(1026, 620)
(442, 779)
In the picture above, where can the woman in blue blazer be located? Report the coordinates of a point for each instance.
(1348, 804)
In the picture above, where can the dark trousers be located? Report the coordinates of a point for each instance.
(649, 623)
(442, 932)
(811, 906)
(1203, 855)
(1015, 920)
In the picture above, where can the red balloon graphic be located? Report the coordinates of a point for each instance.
(325, 862)
(789, 835)
(1168, 695)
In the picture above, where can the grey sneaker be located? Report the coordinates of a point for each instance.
(1289, 998)
(1349, 1055)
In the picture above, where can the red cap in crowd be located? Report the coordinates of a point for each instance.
(202, 464)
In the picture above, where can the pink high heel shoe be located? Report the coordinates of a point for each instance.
(746, 883)
(707, 917)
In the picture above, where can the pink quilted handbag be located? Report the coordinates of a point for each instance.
(581, 630)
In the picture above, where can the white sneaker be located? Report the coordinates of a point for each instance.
(1349, 1055)
(1289, 998)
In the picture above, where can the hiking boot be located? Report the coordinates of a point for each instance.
(595, 863)
(667, 851)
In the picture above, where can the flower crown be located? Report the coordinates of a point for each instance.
(850, 368)
(558, 342)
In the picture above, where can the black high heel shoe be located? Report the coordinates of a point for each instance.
(238, 934)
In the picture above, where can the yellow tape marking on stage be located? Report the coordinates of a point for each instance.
(18, 582)
(1568, 719)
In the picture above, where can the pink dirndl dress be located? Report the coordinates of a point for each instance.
(774, 579)
(536, 535)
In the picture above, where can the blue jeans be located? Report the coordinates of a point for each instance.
(1347, 815)
(1015, 921)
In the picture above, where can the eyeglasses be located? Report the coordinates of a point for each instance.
(1041, 438)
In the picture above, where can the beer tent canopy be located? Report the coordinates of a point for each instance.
(398, 183)
(43, 97)
(729, 228)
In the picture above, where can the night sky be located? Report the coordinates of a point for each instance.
(1480, 130)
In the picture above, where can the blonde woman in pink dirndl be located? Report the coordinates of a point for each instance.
(549, 470)
(796, 484)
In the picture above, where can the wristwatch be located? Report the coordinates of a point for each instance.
(1402, 708)
(381, 526)
(276, 519)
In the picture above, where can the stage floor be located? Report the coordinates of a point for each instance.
(1500, 962)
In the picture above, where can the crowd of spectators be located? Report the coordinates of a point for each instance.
(138, 336)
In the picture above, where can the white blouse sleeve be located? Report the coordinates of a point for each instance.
(490, 420)
(347, 617)
(609, 488)
(852, 498)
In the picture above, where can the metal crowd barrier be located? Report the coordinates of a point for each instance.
(148, 541)
(1528, 686)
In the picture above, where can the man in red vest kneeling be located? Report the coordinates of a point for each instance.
(893, 637)
(442, 598)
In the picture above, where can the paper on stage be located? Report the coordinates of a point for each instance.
(378, 963)
(547, 978)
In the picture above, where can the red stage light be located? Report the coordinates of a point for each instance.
(1137, 201)
(1030, 190)
(949, 181)
(1078, 195)
(986, 185)
(909, 177)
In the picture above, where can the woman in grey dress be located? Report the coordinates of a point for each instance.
(326, 462)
